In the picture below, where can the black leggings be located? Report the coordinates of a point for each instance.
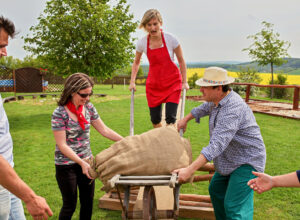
(69, 177)
(171, 112)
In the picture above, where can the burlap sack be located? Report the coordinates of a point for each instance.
(156, 152)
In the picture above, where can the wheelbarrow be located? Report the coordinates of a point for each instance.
(149, 200)
(149, 211)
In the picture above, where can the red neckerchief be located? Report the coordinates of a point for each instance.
(78, 113)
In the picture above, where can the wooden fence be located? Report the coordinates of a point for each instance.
(295, 87)
(125, 80)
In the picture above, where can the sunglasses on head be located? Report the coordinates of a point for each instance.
(84, 95)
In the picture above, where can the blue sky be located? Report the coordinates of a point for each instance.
(214, 30)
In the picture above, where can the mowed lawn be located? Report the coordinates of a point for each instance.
(34, 149)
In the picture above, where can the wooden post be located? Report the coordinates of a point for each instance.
(43, 88)
(14, 78)
(296, 98)
(247, 93)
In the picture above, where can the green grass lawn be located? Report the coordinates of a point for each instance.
(34, 148)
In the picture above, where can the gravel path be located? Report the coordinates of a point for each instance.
(275, 108)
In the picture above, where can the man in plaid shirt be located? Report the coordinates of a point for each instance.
(236, 146)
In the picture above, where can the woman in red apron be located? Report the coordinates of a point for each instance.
(164, 81)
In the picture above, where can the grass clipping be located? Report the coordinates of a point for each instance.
(156, 152)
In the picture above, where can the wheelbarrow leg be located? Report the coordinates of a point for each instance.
(126, 200)
(176, 192)
(149, 203)
(125, 206)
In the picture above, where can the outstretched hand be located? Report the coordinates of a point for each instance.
(262, 183)
(38, 208)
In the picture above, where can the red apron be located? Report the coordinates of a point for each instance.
(164, 79)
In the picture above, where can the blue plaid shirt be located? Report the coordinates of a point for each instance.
(235, 137)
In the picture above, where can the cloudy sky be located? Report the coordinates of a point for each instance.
(208, 30)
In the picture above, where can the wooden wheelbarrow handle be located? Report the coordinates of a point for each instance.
(131, 130)
(182, 109)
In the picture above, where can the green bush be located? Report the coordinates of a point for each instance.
(279, 93)
(247, 75)
(192, 81)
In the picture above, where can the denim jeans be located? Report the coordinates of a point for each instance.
(16, 208)
(11, 207)
(4, 203)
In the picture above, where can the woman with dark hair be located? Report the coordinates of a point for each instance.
(71, 122)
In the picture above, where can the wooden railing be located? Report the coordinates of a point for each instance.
(296, 91)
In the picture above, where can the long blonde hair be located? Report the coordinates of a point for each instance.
(74, 83)
(150, 14)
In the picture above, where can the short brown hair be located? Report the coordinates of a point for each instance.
(74, 83)
(225, 88)
(150, 14)
(8, 26)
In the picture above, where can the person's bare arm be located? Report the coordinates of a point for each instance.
(105, 131)
(182, 66)
(185, 173)
(9, 179)
(265, 182)
(182, 123)
(134, 70)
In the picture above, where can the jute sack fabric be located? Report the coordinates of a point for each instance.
(156, 152)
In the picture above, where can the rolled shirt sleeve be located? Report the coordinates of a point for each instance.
(201, 111)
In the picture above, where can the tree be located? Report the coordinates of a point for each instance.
(267, 48)
(10, 62)
(89, 36)
(15, 63)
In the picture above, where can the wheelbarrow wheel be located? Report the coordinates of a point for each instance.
(149, 203)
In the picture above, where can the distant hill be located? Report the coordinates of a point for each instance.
(292, 67)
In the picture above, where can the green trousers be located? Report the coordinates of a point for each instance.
(231, 197)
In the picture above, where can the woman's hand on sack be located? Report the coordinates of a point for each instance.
(183, 174)
(85, 169)
(132, 87)
(185, 86)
